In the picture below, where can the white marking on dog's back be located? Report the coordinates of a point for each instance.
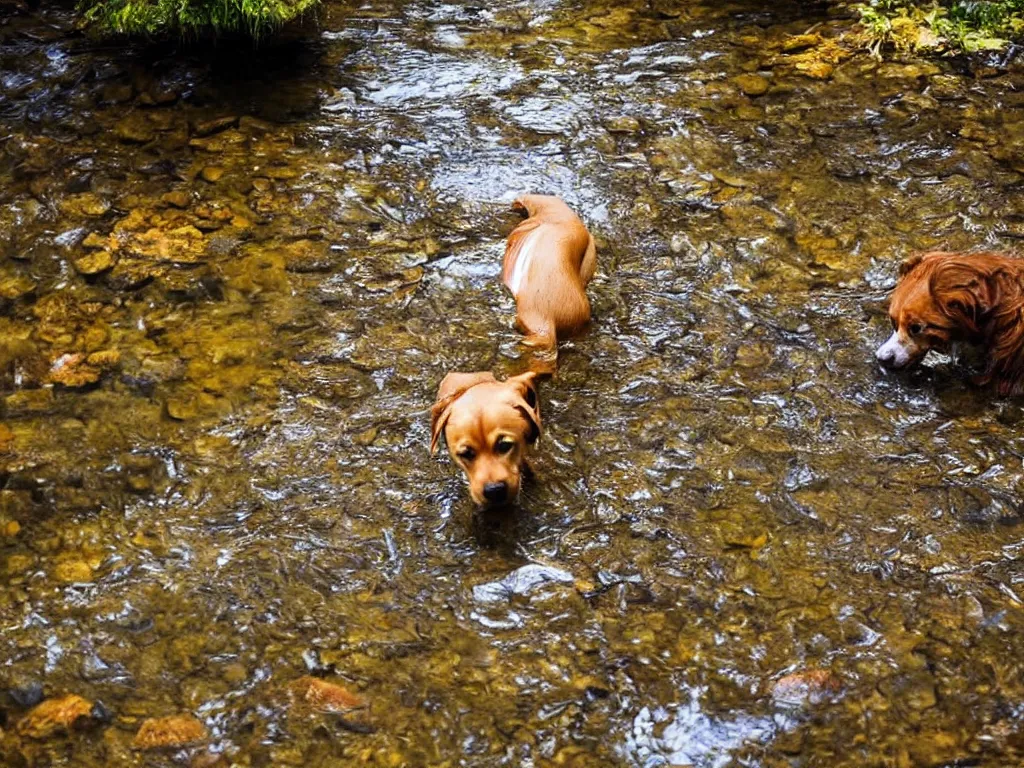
(523, 262)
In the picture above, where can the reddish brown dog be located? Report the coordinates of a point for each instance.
(488, 426)
(549, 259)
(972, 297)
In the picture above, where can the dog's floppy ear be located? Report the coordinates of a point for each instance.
(909, 263)
(453, 386)
(525, 385)
(439, 413)
(962, 291)
(522, 204)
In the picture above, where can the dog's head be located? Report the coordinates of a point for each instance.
(941, 297)
(488, 426)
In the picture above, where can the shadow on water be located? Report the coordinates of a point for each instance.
(231, 284)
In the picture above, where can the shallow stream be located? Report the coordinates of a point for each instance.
(231, 284)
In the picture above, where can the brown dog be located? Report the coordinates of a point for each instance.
(488, 426)
(549, 259)
(973, 297)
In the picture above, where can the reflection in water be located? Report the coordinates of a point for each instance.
(231, 284)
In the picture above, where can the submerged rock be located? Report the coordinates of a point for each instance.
(624, 124)
(15, 287)
(808, 687)
(178, 198)
(217, 124)
(182, 408)
(73, 572)
(26, 696)
(797, 43)
(85, 204)
(55, 716)
(752, 85)
(134, 129)
(95, 263)
(185, 245)
(77, 369)
(322, 695)
(819, 70)
(169, 733)
(211, 173)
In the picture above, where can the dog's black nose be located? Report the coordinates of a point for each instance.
(496, 492)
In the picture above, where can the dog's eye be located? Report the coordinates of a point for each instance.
(466, 454)
(916, 328)
(504, 445)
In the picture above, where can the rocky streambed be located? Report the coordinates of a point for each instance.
(231, 282)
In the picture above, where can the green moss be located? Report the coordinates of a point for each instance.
(950, 25)
(191, 18)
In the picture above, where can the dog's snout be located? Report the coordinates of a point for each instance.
(895, 353)
(496, 492)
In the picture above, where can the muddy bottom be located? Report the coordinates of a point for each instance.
(231, 283)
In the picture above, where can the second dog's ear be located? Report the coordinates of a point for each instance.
(963, 293)
(909, 263)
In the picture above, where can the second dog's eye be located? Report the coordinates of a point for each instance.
(466, 454)
(916, 328)
(504, 445)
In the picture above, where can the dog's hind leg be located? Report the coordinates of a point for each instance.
(544, 351)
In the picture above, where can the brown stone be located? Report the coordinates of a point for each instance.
(15, 287)
(211, 173)
(818, 70)
(181, 409)
(803, 687)
(96, 240)
(752, 85)
(323, 696)
(179, 198)
(104, 358)
(796, 43)
(207, 127)
(169, 732)
(70, 370)
(95, 263)
(181, 245)
(54, 716)
(624, 124)
(134, 129)
(73, 572)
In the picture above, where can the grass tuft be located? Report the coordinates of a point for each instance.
(949, 25)
(191, 18)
